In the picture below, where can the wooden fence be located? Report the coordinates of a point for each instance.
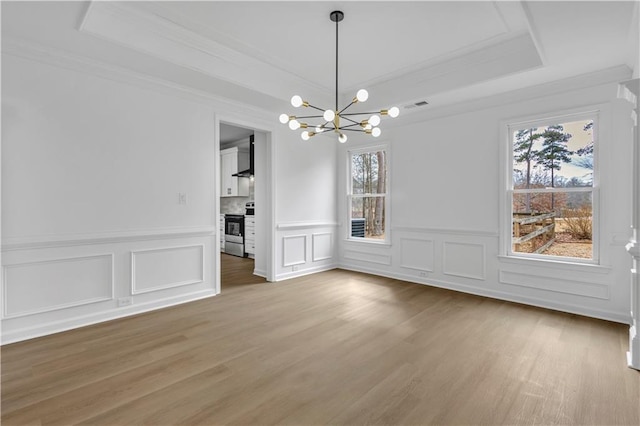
(533, 232)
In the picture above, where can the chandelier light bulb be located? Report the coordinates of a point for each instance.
(296, 101)
(329, 115)
(284, 118)
(305, 136)
(294, 124)
(374, 120)
(375, 132)
(362, 95)
(319, 129)
(394, 112)
(342, 138)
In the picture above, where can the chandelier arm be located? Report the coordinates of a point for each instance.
(350, 125)
(345, 108)
(360, 113)
(348, 119)
(315, 107)
(352, 130)
(308, 116)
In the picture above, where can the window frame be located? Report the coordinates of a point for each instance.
(506, 198)
(349, 194)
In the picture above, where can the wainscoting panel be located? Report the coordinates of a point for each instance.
(304, 248)
(469, 261)
(416, 254)
(554, 284)
(381, 259)
(322, 248)
(44, 286)
(162, 268)
(465, 260)
(294, 250)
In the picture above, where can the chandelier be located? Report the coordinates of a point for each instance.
(337, 120)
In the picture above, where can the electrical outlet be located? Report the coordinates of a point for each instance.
(182, 198)
(423, 274)
(125, 301)
(294, 268)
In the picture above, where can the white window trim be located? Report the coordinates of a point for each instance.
(387, 217)
(506, 183)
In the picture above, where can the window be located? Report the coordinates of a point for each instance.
(367, 194)
(551, 188)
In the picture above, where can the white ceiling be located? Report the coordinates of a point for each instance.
(262, 52)
(299, 37)
(230, 133)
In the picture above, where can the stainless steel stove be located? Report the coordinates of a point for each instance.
(234, 234)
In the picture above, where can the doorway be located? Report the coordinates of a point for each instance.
(243, 175)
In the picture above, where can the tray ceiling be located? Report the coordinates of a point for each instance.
(262, 52)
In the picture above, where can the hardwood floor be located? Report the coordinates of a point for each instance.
(332, 348)
(237, 272)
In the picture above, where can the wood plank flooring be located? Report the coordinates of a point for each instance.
(333, 348)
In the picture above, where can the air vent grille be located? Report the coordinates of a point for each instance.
(416, 104)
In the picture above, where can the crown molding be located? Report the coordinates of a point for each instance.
(63, 59)
(164, 39)
(606, 76)
(504, 56)
(533, 31)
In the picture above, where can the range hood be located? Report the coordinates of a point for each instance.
(248, 172)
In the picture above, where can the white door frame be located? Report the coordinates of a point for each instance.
(269, 198)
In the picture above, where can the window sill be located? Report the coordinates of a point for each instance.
(556, 264)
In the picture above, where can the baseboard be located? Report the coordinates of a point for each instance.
(619, 317)
(630, 362)
(303, 272)
(83, 321)
(260, 273)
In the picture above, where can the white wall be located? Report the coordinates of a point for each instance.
(445, 209)
(92, 167)
(306, 204)
(91, 171)
(93, 161)
(96, 155)
(305, 170)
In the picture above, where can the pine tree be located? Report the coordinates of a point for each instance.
(554, 152)
(524, 153)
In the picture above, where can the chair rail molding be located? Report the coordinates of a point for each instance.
(49, 241)
(305, 225)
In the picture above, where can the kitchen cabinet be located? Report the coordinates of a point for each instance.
(250, 235)
(232, 161)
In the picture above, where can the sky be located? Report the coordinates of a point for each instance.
(579, 138)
